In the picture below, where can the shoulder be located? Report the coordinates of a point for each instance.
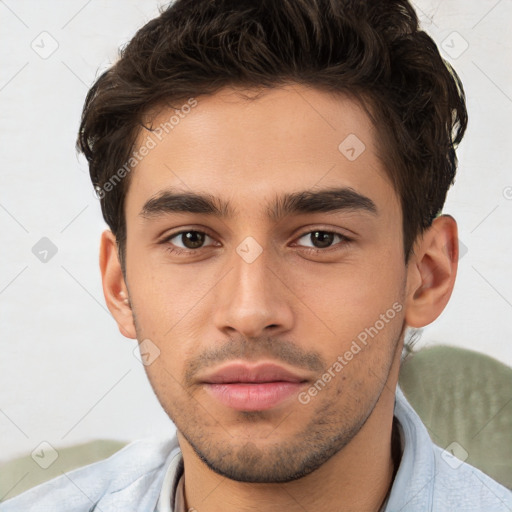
(432, 479)
(136, 471)
(460, 486)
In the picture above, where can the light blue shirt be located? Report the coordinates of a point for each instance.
(143, 476)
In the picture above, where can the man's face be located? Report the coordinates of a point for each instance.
(296, 284)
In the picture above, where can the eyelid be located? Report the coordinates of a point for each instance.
(167, 238)
(326, 229)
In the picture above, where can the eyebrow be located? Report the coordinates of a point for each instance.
(307, 201)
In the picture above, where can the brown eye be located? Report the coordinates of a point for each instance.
(192, 239)
(189, 240)
(321, 239)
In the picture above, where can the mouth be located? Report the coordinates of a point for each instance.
(252, 388)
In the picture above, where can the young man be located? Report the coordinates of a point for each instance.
(273, 174)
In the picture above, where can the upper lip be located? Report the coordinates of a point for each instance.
(243, 372)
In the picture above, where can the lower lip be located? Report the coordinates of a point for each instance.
(253, 397)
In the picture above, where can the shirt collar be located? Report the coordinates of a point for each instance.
(415, 475)
(172, 476)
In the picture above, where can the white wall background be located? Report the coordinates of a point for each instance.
(66, 373)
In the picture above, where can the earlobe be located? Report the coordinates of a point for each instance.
(431, 272)
(114, 286)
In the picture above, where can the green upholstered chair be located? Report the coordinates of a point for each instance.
(22, 473)
(462, 397)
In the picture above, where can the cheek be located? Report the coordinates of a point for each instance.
(342, 300)
(169, 304)
(166, 296)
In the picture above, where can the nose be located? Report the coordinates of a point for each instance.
(253, 299)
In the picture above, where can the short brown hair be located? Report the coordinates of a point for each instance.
(371, 50)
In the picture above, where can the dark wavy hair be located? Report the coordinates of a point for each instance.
(371, 50)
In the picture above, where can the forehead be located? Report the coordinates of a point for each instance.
(245, 145)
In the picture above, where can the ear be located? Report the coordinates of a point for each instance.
(114, 286)
(431, 272)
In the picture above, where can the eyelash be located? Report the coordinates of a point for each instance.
(177, 250)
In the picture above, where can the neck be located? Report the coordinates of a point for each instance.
(358, 477)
